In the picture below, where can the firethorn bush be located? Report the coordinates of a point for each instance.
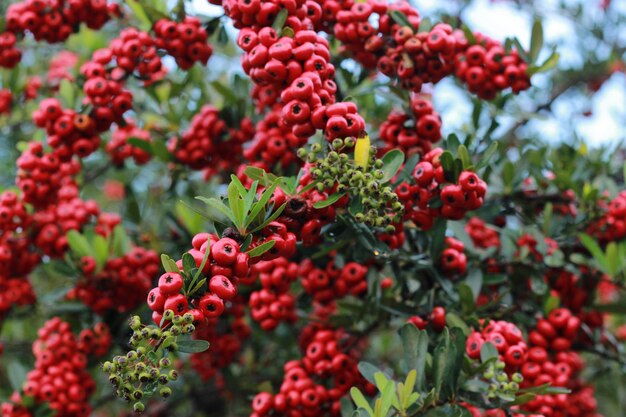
(262, 211)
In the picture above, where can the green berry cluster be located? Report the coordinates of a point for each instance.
(334, 169)
(147, 370)
(500, 384)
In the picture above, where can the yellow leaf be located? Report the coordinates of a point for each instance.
(362, 151)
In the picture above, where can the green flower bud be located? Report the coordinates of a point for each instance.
(316, 147)
(188, 329)
(134, 322)
(168, 315)
(139, 407)
(137, 394)
(349, 142)
(337, 143)
(165, 392)
(177, 320)
(176, 330)
(173, 375)
(302, 153)
(165, 363)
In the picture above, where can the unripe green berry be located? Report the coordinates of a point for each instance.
(139, 407)
(173, 375)
(302, 153)
(168, 315)
(165, 392)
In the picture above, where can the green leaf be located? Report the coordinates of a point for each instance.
(192, 346)
(613, 259)
(333, 198)
(218, 205)
(438, 236)
(464, 156)
(488, 352)
(387, 397)
(536, 41)
(520, 50)
(469, 35)
(142, 144)
(400, 18)
(594, 248)
(280, 20)
(360, 401)
(16, 374)
(491, 150)
(121, 242)
(441, 362)
(447, 163)
(204, 261)
(261, 249)
(101, 250)
(188, 263)
(235, 201)
(368, 371)
(144, 21)
(270, 219)
(78, 243)
(67, 93)
(392, 161)
(550, 62)
(159, 149)
(260, 205)
(168, 264)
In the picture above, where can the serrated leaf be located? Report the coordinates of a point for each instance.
(333, 198)
(261, 249)
(192, 346)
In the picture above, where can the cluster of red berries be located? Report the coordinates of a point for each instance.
(338, 120)
(482, 235)
(60, 377)
(418, 58)
(300, 217)
(453, 260)
(31, 88)
(436, 318)
(10, 56)
(185, 41)
(273, 143)
(226, 335)
(259, 13)
(314, 385)
(224, 267)
(551, 361)
(210, 144)
(69, 133)
(54, 21)
(69, 212)
(6, 101)
(413, 134)
(285, 241)
(333, 282)
(456, 198)
(529, 242)
(369, 32)
(14, 291)
(611, 226)
(487, 68)
(122, 283)
(41, 175)
(274, 303)
(95, 342)
(507, 339)
(119, 149)
(59, 69)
